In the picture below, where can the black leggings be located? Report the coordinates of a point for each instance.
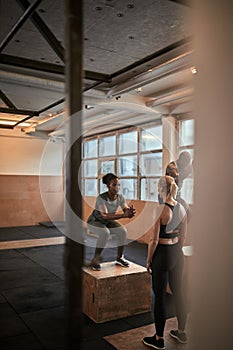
(167, 266)
(103, 231)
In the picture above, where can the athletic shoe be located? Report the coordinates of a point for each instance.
(181, 337)
(96, 267)
(122, 262)
(153, 342)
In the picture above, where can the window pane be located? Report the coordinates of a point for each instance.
(90, 149)
(107, 146)
(149, 189)
(127, 166)
(187, 190)
(151, 138)
(128, 142)
(151, 164)
(107, 166)
(129, 188)
(187, 132)
(90, 168)
(103, 187)
(90, 187)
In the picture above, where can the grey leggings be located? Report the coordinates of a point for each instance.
(103, 231)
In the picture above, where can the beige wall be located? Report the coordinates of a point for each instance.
(24, 155)
(27, 200)
(31, 185)
(23, 202)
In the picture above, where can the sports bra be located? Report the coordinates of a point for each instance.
(168, 227)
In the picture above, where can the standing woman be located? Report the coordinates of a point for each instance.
(102, 220)
(165, 261)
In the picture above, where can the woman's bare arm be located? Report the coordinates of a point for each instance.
(153, 240)
(127, 213)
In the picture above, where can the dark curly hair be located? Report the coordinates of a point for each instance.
(108, 178)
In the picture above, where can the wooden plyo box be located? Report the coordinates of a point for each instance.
(115, 291)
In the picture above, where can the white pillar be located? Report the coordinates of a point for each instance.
(170, 140)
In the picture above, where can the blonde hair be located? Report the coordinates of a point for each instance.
(168, 185)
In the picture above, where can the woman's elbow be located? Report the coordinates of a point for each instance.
(103, 215)
(154, 241)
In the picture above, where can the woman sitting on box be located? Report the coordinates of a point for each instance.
(103, 220)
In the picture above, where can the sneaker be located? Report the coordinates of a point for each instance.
(122, 262)
(96, 267)
(153, 342)
(181, 337)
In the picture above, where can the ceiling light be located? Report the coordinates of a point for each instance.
(13, 122)
(193, 70)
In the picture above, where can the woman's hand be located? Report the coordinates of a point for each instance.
(129, 212)
(148, 267)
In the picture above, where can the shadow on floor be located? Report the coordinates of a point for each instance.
(32, 314)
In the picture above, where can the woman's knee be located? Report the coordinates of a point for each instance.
(118, 229)
(122, 231)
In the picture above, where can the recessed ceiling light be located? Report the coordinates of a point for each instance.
(193, 70)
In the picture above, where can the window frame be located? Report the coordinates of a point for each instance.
(138, 153)
(188, 147)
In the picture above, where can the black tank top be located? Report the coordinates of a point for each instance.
(165, 230)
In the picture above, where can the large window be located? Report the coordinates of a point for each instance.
(186, 142)
(150, 161)
(135, 155)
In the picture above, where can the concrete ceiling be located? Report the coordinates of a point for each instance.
(137, 59)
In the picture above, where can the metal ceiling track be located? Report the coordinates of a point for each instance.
(18, 111)
(19, 24)
(6, 100)
(177, 45)
(44, 30)
(48, 67)
(30, 114)
(98, 78)
(183, 2)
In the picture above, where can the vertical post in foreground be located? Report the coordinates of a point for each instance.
(73, 248)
